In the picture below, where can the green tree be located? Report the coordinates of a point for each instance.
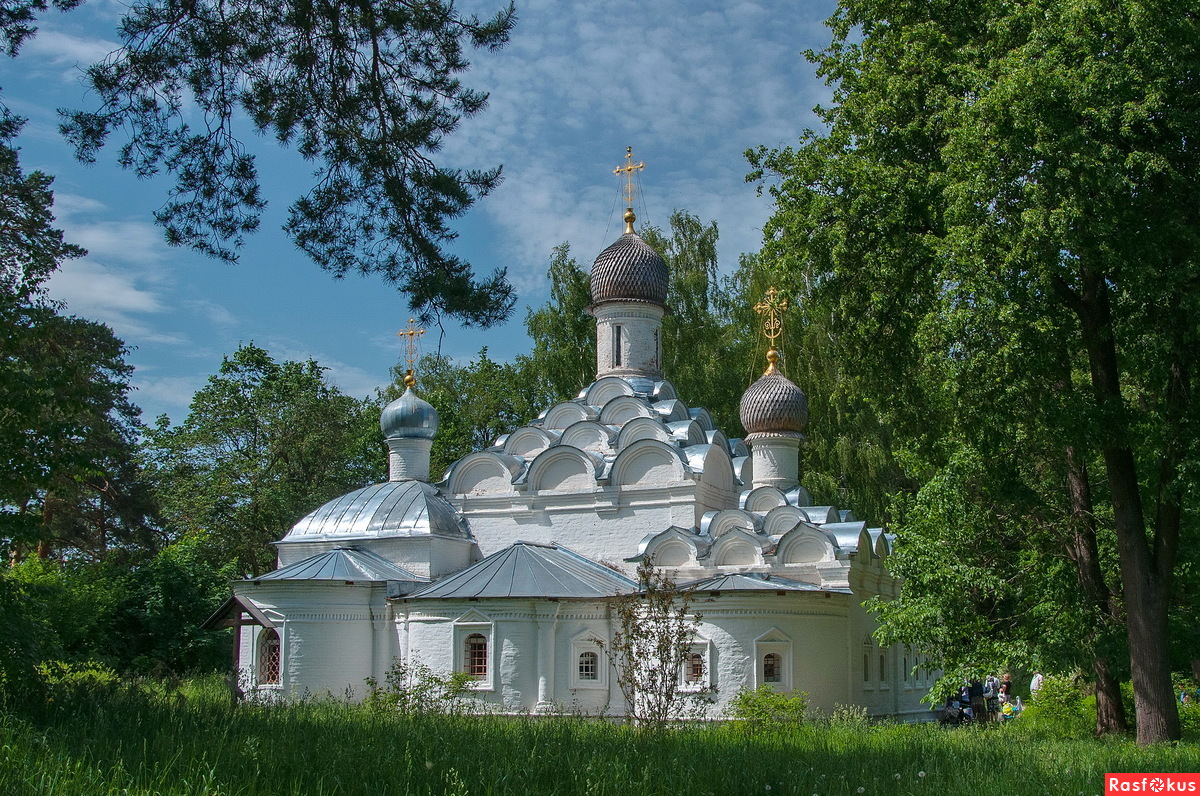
(562, 330)
(67, 427)
(264, 443)
(1012, 191)
(476, 403)
(366, 91)
(704, 355)
(660, 676)
(141, 615)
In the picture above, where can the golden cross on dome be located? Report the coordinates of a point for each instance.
(410, 333)
(771, 309)
(628, 169)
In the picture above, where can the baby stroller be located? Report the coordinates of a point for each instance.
(953, 714)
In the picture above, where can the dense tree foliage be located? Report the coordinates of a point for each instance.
(476, 402)
(367, 92)
(705, 355)
(1001, 216)
(562, 330)
(264, 443)
(67, 427)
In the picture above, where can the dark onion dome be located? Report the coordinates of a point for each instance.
(773, 404)
(408, 417)
(629, 270)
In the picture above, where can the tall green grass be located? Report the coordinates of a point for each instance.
(149, 740)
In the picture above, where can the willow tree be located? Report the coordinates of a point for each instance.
(1011, 192)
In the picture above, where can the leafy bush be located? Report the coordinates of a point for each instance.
(416, 688)
(1061, 709)
(1189, 721)
(24, 640)
(68, 681)
(760, 709)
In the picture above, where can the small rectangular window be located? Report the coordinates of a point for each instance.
(476, 656)
(617, 346)
(588, 665)
(772, 671)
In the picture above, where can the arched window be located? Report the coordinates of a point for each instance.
(617, 346)
(772, 668)
(268, 657)
(476, 656)
(904, 671)
(867, 649)
(589, 666)
(883, 667)
(695, 667)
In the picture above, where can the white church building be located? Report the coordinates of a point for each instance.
(508, 567)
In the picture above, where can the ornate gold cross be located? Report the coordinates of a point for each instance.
(410, 333)
(628, 169)
(771, 310)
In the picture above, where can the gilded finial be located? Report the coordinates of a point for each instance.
(629, 190)
(410, 333)
(771, 309)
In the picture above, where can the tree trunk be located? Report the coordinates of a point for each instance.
(1110, 710)
(1085, 552)
(1145, 573)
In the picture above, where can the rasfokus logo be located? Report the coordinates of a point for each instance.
(1152, 783)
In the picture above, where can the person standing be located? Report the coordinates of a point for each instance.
(1035, 684)
(978, 706)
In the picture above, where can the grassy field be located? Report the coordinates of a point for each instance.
(150, 741)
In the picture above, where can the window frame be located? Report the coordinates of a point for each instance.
(773, 642)
(702, 649)
(266, 639)
(474, 623)
(586, 642)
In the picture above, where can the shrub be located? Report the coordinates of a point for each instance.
(1189, 720)
(758, 709)
(1060, 708)
(416, 688)
(66, 681)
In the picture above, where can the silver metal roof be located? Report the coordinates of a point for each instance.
(345, 564)
(395, 508)
(755, 581)
(527, 569)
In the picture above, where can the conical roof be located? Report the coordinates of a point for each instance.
(344, 564)
(528, 569)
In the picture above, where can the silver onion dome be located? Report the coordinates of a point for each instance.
(629, 270)
(773, 404)
(407, 417)
(395, 508)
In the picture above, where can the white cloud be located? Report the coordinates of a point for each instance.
(169, 395)
(64, 48)
(690, 87)
(137, 242)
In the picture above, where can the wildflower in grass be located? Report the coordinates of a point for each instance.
(921, 774)
(896, 777)
(861, 789)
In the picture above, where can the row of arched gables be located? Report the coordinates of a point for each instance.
(609, 436)
(782, 537)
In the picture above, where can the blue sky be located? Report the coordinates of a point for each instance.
(689, 85)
